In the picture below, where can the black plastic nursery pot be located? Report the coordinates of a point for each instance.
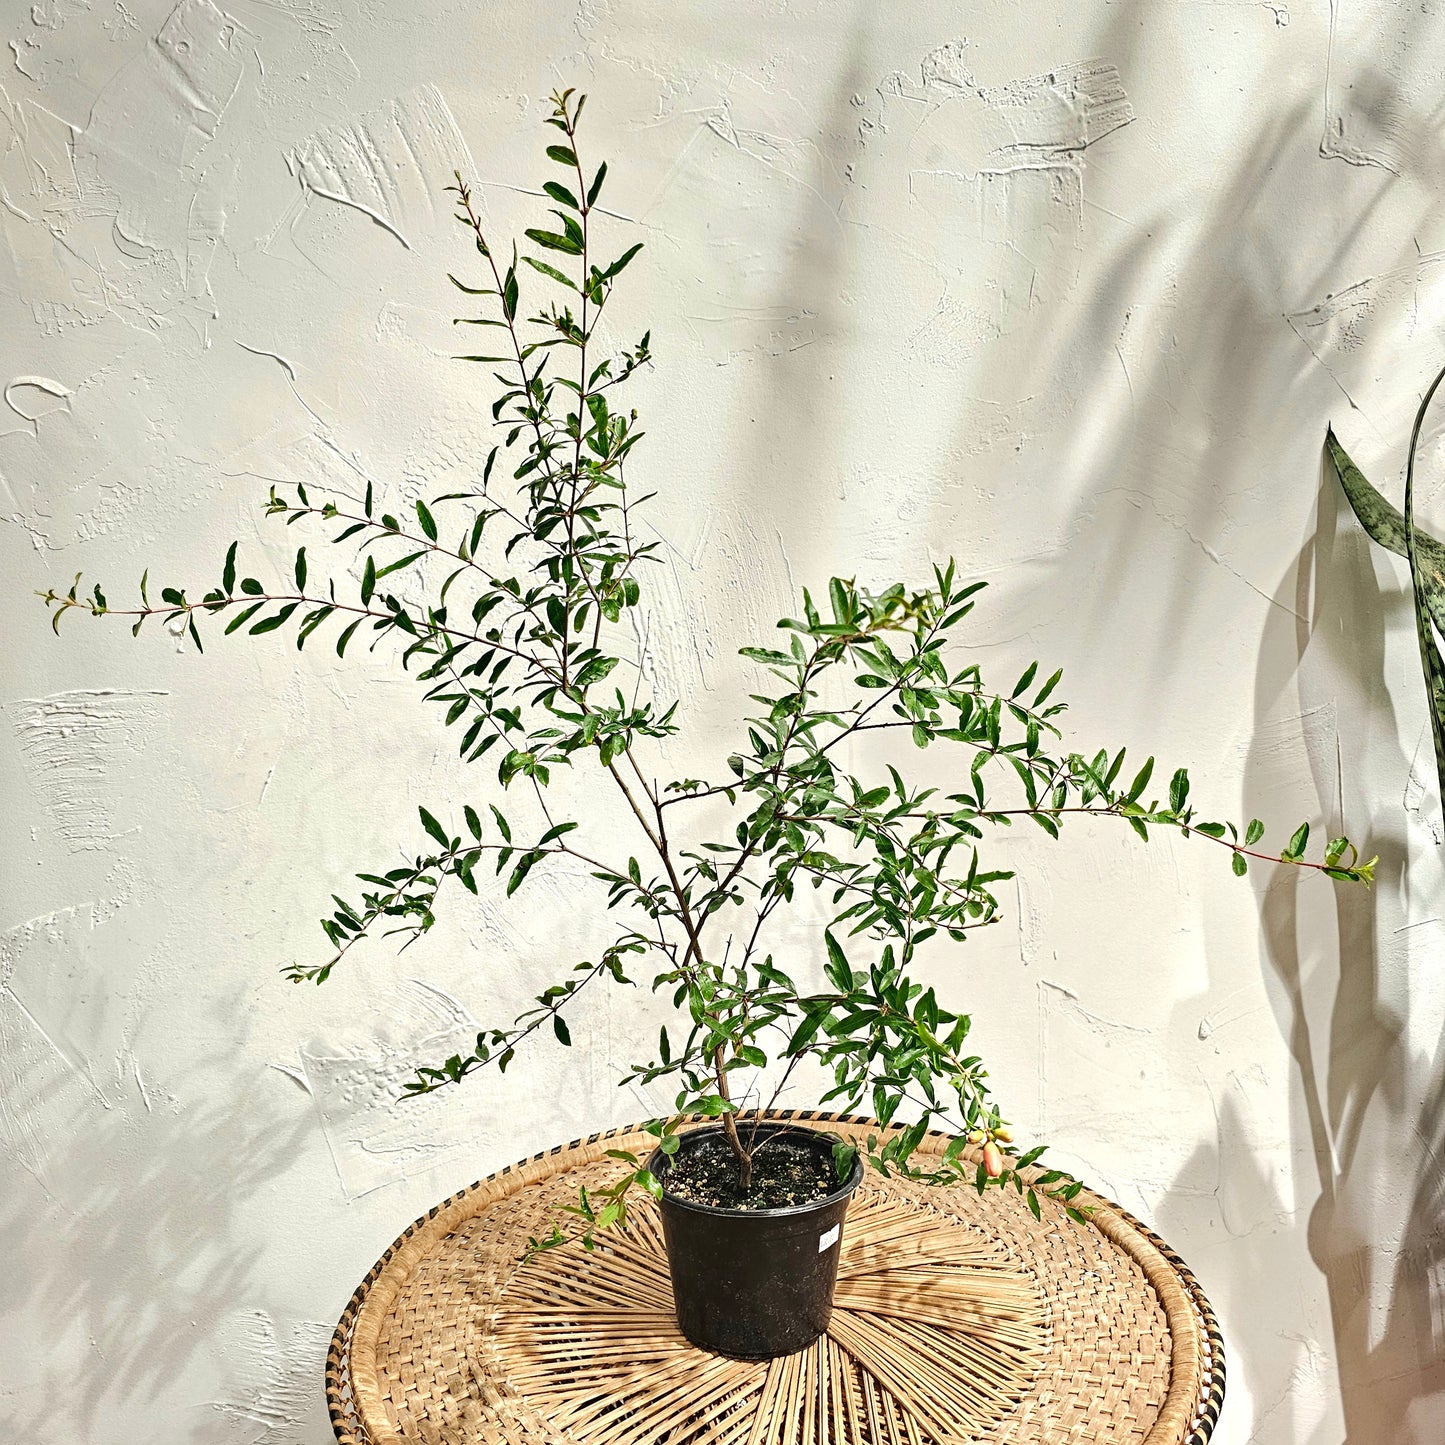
(754, 1283)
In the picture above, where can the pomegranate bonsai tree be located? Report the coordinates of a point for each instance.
(513, 619)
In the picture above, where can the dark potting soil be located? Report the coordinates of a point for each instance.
(784, 1173)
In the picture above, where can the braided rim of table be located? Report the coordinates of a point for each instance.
(944, 1328)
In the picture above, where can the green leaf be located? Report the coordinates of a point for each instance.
(616, 267)
(520, 872)
(312, 622)
(510, 295)
(563, 155)
(473, 822)
(1026, 679)
(596, 186)
(1386, 526)
(595, 671)
(1140, 782)
(1178, 790)
(559, 1027)
(272, 623)
(551, 271)
(301, 570)
(806, 1031)
(228, 574)
(399, 564)
(839, 970)
(553, 242)
(346, 637)
(434, 828)
(1432, 664)
(470, 290)
(368, 582)
(1048, 688)
(428, 522)
(1050, 826)
(561, 194)
(1297, 844)
(1240, 864)
(242, 617)
(1253, 833)
(251, 586)
(1426, 557)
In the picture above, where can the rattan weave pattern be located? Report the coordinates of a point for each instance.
(958, 1318)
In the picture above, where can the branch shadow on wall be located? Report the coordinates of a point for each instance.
(1250, 379)
(138, 1245)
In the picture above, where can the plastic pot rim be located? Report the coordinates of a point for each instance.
(782, 1211)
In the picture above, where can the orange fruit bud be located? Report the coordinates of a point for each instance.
(975, 1136)
(1004, 1135)
(992, 1160)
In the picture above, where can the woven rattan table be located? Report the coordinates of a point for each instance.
(958, 1317)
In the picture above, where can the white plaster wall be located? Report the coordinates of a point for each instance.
(1069, 290)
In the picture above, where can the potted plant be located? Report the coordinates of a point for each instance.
(509, 603)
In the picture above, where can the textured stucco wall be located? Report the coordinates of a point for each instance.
(1066, 289)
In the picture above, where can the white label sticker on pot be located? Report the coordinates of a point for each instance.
(829, 1239)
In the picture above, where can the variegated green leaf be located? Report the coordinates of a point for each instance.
(1430, 659)
(1385, 524)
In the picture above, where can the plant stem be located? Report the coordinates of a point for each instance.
(730, 1123)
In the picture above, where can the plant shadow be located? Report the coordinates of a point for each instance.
(145, 1239)
(1369, 1108)
(1226, 385)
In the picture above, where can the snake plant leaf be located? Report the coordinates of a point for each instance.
(1386, 525)
(1430, 659)
(1396, 532)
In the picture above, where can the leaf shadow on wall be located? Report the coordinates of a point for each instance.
(795, 422)
(1226, 349)
(1228, 361)
(141, 1249)
(1373, 1113)
(1232, 361)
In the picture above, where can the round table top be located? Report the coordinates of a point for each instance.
(958, 1317)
